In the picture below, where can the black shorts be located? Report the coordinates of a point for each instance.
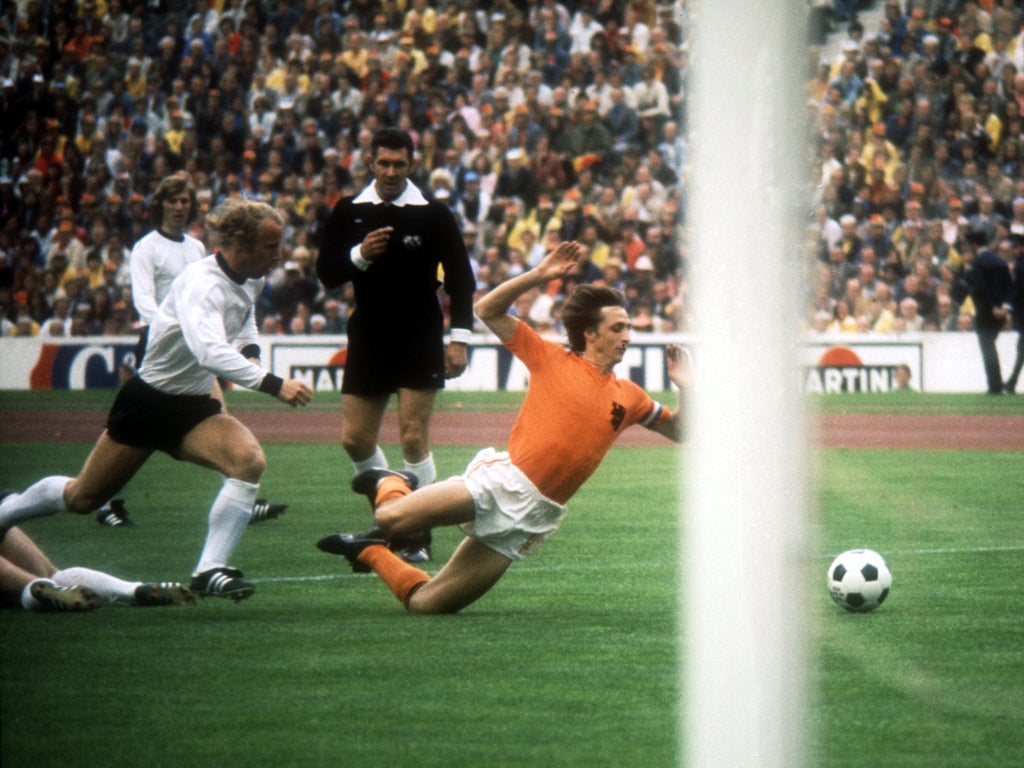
(145, 417)
(383, 369)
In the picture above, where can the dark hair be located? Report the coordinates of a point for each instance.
(582, 311)
(392, 138)
(173, 185)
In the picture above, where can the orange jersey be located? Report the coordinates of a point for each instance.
(571, 416)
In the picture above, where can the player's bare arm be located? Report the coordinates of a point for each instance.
(493, 308)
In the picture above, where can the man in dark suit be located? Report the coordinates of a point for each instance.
(990, 282)
(1017, 309)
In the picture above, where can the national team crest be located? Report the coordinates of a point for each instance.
(618, 416)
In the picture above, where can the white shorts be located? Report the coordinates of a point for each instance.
(512, 517)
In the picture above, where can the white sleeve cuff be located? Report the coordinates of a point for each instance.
(357, 258)
(461, 335)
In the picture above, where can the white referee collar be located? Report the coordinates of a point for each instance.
(411, 195)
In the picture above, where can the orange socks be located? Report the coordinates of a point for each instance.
(401, 578)
(389, 488)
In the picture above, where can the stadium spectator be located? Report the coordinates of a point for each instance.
(335, 317)
(296, 294)
(167, 405)
(982, 225)
(882, 312)
(909, 319)
(509, 503)
(945, 314)
(901, 378)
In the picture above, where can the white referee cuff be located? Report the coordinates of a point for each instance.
(461, 335)
(357, 258)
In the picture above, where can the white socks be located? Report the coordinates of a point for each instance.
(110, 588)
(43, 499)
(28, 601)
(424, 470)
(377, 461)
(229, 516)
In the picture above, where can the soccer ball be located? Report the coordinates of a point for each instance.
(859, 580)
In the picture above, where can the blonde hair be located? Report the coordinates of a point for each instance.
(237, 221)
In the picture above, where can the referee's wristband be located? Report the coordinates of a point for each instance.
(271, 384)
(461, 336)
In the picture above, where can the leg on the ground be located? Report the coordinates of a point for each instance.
(471, 572)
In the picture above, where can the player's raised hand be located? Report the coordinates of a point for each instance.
(560, 260)
(680, 367)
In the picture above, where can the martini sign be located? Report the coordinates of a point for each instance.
(865, 369)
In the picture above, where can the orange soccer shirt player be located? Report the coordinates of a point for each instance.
(572, 414)
(508, 503)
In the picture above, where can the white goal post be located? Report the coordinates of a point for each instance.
(743, 538)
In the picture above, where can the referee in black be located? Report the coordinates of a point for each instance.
(394, 245)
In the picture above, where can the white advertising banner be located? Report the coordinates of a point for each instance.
(831, 365)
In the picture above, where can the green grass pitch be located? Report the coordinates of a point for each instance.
(571, 660)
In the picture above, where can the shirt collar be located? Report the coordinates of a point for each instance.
(411, 195)
(227, 270)
(175, 238)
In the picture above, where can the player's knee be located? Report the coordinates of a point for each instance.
(414, 439)
(247, 464)
(424, 602)
(254, 465)
(390, 518)
(386, 518)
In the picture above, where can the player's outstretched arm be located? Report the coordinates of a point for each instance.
(493, 308)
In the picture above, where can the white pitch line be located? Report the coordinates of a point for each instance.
(287, 579)
(961, 550)
(647, 566)
(526, 568)
(944, 551)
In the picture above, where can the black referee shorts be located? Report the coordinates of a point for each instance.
(144, 417)
(383, 369)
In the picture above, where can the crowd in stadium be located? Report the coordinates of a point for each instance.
(917, 124)
(536, 120)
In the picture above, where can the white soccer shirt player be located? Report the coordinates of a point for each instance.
(154, 263)
(205, 327)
